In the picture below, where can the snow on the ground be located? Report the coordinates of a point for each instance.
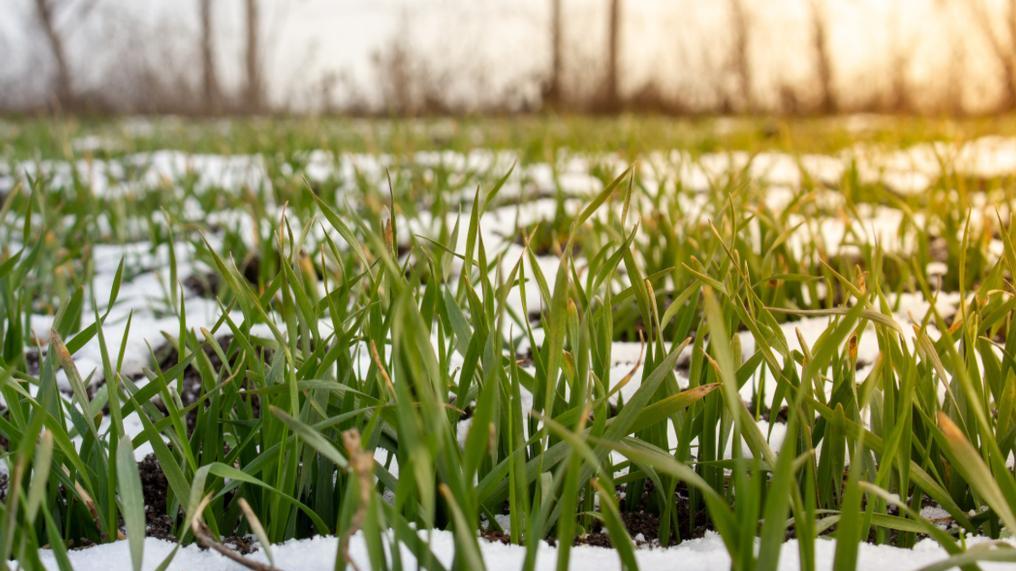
(906, 171)
(319, 553)
(145, 294)
(526, 200)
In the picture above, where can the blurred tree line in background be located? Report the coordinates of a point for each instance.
(581, 63)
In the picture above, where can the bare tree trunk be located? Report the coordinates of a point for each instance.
(899, 99)
(828, 102)
(953, 95)
(611, 95)
(1005, 50)
(63, 89)
(1009, 84)
(1009, 65)
(209, 80)
(553, 92)
(740, 58)
(254, 95)
(899, 96)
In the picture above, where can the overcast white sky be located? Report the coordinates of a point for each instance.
(485, 45)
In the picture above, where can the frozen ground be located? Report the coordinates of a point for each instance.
(524, 201)
(705, 554)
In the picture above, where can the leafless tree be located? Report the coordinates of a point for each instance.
(611, 95)
(899, 99)
(956, 74)
(395, 77)
(209, 79)
(410, 83)
(48, 13)
(740, 57)
(254, 96)
(552, 92)
(1002, 44)
(952, 94)
(827, 100)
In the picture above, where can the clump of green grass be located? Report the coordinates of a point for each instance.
(369, 382)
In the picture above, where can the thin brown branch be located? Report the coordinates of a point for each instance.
(204, 537)
(361, 464)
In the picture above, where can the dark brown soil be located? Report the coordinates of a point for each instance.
(241, 544)
(692, 524)
(598, 539)
(938, 250)
(210, 284)
(767, 414)
(33, 361)
(207, 285)
(637, 523)
(192, 389)
(155, 488)
(4, 444)
(495, 536)
(641, 523)
(547, 241)
(781, 416)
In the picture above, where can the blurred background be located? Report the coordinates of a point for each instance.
(430, 57)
